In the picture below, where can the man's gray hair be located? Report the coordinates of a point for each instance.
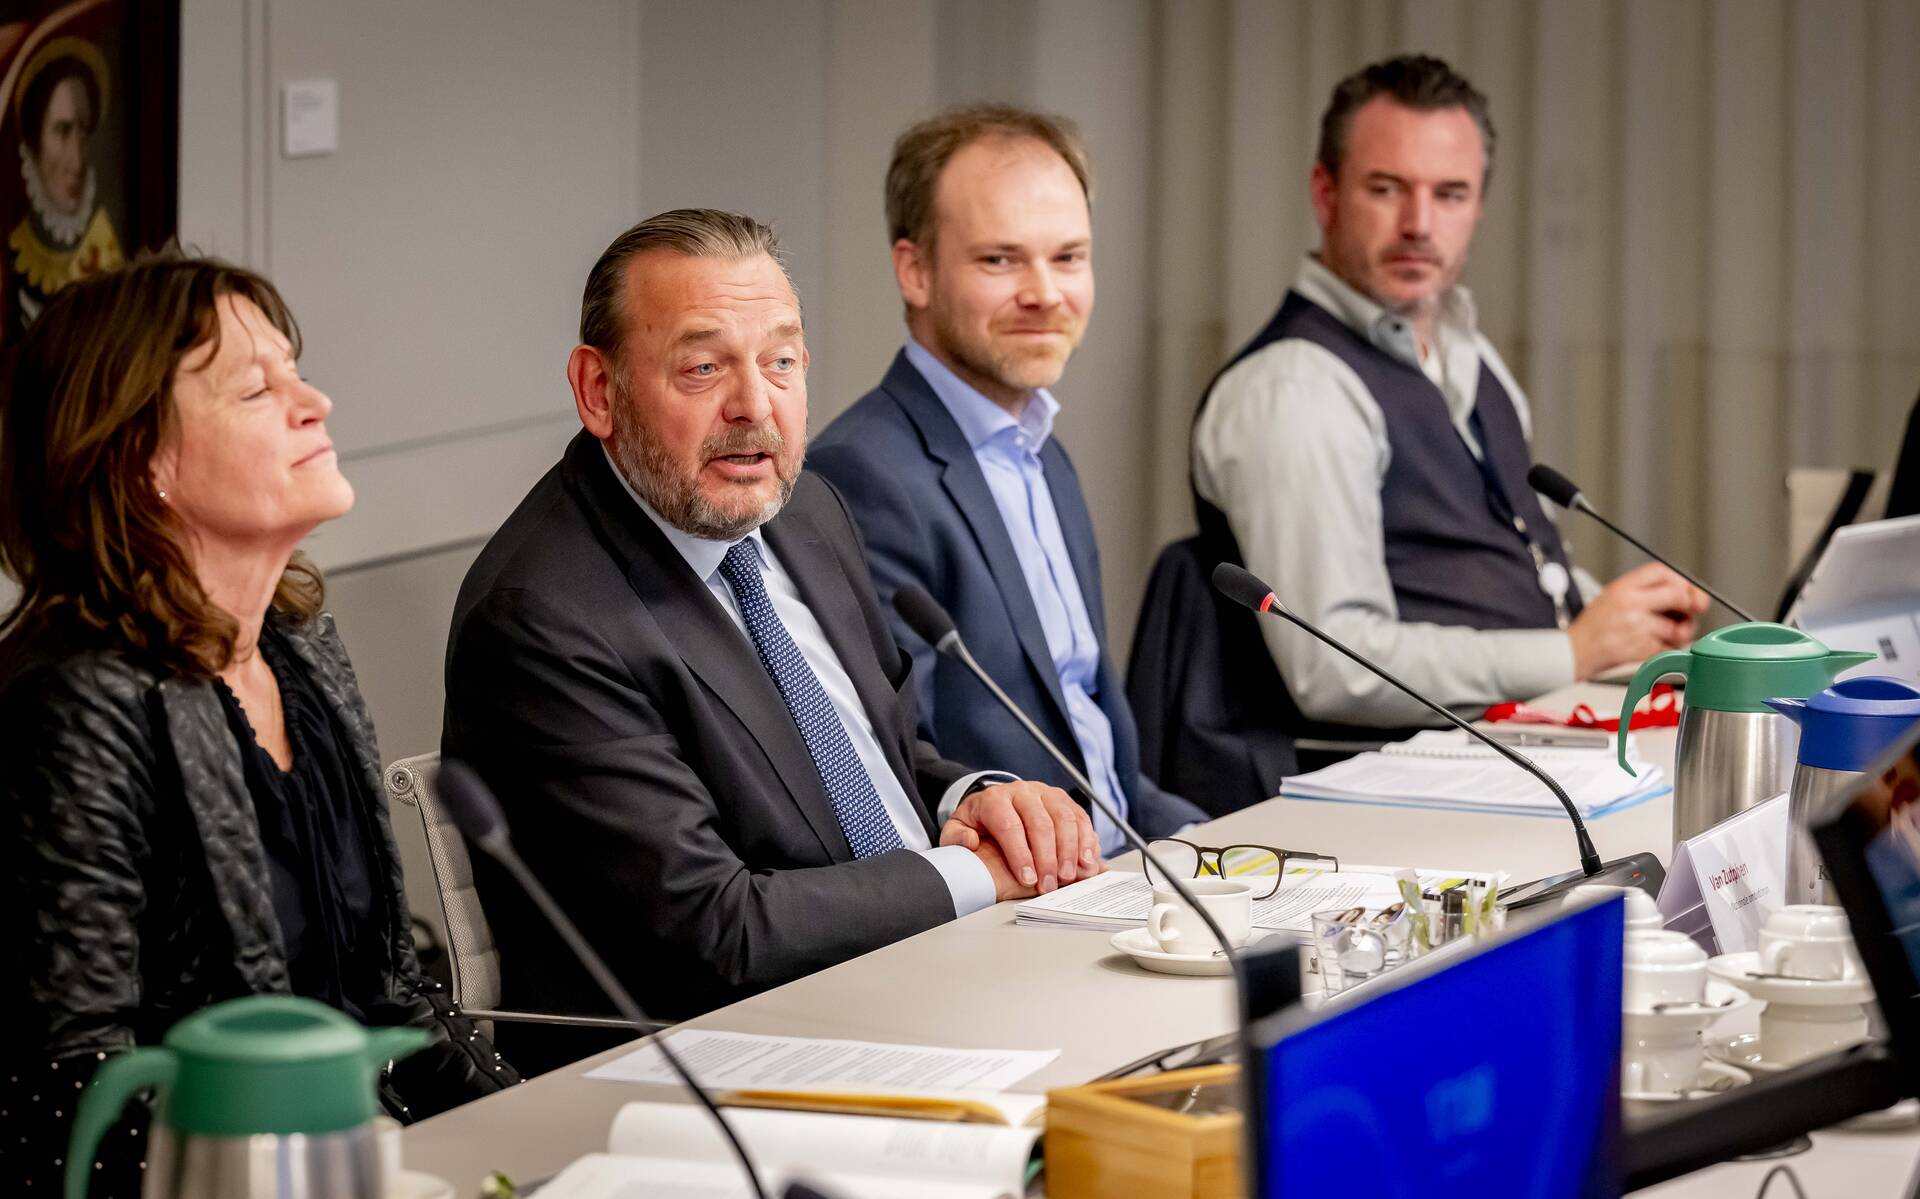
(693, 232)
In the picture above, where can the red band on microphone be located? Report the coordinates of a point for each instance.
(1266, 605)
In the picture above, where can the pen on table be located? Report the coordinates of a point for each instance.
(1550, 739)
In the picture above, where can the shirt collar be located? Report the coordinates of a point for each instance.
(1388, 331)
(703, 554)
(981, 420)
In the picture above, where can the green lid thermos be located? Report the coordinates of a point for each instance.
(262, 1096)
(1734, 750)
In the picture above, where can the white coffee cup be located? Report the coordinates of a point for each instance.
(1177, 928)
(1642, 913)
(1808, 940)
(1660, 1054)
(1662, 967)
(1791, 1033)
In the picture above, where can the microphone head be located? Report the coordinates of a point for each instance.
(1243, 587)
(923, 614)
(471, 805)
(1554, 485)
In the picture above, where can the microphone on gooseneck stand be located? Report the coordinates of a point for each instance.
(930, 621)
(1562, 491)
(1642, 870)
(477, 814)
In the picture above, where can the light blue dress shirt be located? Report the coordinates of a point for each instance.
(967, 879)
(1008, 451)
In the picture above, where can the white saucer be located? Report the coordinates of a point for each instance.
(1741, 1051)
(1739, 970)
(1139, 945)
(1714, 1077)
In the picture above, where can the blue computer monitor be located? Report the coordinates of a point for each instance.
(1495, 1072)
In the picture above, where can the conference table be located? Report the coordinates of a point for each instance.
(982, 982)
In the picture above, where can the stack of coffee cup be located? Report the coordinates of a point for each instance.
(1643, 914)
(1813, 984)
(1663, 995)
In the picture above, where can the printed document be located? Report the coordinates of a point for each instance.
(673, 1150)
(726, 1061)
(1449, 770)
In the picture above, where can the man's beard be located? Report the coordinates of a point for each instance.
(1001, 363)
(675, 494)
(1425, 305)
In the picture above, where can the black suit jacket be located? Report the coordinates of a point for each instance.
(928, 516)
(650, 771)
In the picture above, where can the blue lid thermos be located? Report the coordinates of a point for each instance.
(1842, 730)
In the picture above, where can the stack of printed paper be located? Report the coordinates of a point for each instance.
(1448, 770)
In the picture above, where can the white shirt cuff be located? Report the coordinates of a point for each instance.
(954, 794)
(965, 875)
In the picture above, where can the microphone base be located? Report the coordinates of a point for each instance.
(1641, 870)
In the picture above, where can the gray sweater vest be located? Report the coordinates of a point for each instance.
(1451, 556)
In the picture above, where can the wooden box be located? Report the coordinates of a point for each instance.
(1167, 1135)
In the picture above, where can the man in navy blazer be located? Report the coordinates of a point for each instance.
(950, 469)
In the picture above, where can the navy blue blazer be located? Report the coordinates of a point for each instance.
(927, 516)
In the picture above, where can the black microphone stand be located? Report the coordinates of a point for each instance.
(1642, 870)
(1561, 490)
(930, 621)
(478, 816)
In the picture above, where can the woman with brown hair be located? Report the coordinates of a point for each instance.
(190, 803)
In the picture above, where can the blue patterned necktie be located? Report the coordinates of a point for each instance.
(862, 816)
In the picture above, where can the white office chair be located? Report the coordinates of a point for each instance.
(473, 959)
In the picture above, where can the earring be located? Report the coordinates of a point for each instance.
(163, 494)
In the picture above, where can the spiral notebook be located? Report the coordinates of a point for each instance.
(1450, 771)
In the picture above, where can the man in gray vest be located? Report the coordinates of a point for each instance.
(1367, 452)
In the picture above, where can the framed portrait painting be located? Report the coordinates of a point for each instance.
(88, 143)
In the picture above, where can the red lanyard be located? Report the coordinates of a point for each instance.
(1661, 709)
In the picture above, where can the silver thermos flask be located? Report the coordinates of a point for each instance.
(1733, 750)
(1843, 729)
(261, 1097)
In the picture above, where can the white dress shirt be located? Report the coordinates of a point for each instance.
(1293, 448)
(1008, 451)
(967, 879)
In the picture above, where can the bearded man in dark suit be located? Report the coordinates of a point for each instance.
(671, 665)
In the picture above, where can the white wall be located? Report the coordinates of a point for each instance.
(487, 153)
(489, 149)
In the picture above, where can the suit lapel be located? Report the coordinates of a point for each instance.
(967, 486)
(707, 640)
(1076, 529)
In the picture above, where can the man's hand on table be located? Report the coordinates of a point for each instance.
(1644, 611)
(1032, 838)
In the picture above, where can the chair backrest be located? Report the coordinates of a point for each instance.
(1820, 501)
(1203, 690)
(472, 958)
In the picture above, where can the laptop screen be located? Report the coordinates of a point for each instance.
(1495, 1073)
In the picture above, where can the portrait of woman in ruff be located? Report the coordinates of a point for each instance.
(87, 134)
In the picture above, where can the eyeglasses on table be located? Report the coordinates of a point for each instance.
(1262, 865)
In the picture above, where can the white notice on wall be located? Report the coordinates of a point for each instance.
(745, 1061)
(1730, 877)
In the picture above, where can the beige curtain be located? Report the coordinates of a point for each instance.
(1700, 253)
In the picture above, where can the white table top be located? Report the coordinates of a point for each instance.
(981, 982)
